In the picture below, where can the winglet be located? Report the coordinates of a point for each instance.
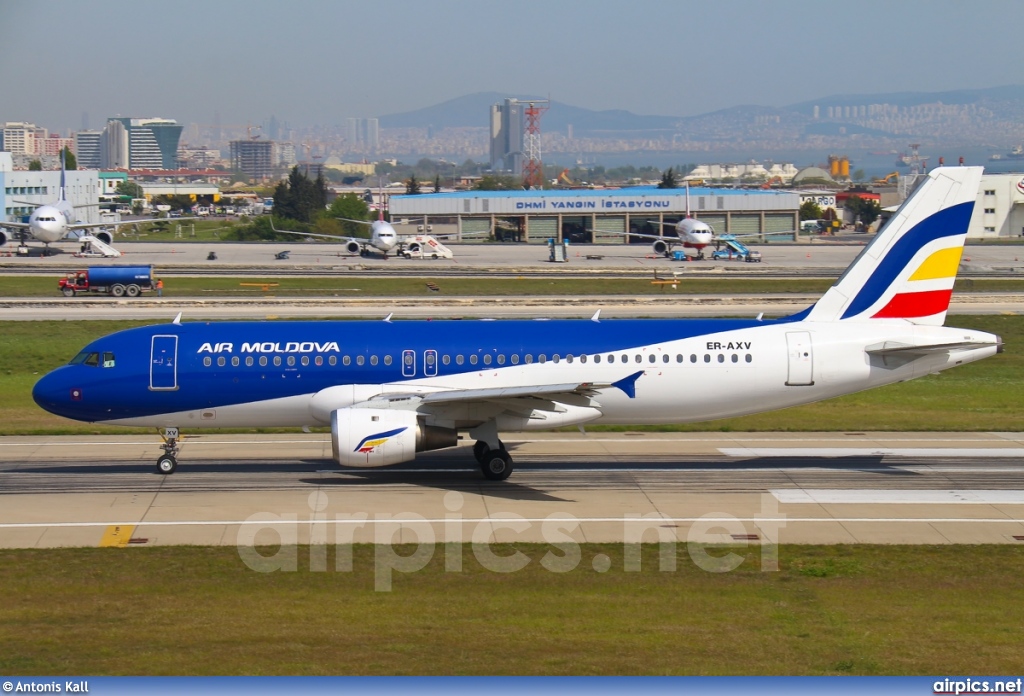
(628, 384)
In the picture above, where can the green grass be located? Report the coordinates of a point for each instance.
(46, 286)
(982, 396)
(891, 610)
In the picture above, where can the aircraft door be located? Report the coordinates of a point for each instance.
(163, 363)
(408, 363)
(430, 363)
(801, 359)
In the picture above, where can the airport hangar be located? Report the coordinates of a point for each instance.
(601, 216)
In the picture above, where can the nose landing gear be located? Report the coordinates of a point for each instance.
(168, 463)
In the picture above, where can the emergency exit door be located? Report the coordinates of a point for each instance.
(163, 363)
(801, 359)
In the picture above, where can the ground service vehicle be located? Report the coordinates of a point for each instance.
(117, 281)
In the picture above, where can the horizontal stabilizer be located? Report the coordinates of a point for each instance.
(894, 348)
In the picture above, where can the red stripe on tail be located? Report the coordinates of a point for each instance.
(908, 305)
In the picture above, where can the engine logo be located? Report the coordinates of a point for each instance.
(372, 442)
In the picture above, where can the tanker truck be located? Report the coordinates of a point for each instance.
(116, 281)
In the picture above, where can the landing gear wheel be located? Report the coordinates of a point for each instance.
(496, 465)
(700, 256)
(480, 449)
(166, 465)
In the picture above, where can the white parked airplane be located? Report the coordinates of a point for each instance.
(53, 222)
(389, 389)
(383, 238)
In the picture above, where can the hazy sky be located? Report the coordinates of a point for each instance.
(315, 61)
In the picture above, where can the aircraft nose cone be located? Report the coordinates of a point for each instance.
(52, 394)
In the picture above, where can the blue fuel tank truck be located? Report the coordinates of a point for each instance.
(116, 281)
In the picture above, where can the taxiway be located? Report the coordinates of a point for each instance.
(827, 488)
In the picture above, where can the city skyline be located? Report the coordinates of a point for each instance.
(321, 63)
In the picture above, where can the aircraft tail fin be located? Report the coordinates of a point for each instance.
(908, 270)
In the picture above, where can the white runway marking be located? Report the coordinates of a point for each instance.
(871, 452)
(897, 497)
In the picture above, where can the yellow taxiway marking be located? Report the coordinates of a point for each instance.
(117, 535)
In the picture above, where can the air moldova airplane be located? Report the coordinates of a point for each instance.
(390, 389)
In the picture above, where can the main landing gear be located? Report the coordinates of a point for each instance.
(168, 462)
(496, 464)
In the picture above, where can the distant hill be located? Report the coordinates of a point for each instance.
(1000, 113)
(472, 111)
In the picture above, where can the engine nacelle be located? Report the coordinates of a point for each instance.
(104, 236)
(660, 247)
(3, 237)
(353, 247)
(370, 437)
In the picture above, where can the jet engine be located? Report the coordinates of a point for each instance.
(104, 236)
(660, 247)
(353, 247)
(3, 237)
(370, 437)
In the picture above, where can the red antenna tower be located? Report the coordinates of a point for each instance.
(533, 168)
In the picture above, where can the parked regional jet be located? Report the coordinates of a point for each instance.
(389, 389)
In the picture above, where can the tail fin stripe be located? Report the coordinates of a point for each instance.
(948, 222)
(909, 305)
(941, 264)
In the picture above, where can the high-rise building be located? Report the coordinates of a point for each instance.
(507, 136)
(372, 133)
(362, 134)
(141, 143)
(254, 158)
(20, 138)
(89, 149)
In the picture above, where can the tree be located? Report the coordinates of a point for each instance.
(298, 198)
(351, 207)
(412, 186)
(668, 180)
(809, 210)
(437, 183)
(35, 166)
(70, 161)
(865, 211)
(858, 175)
(129, 189)
(492, 182)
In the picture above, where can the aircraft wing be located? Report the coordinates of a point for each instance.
(121, 223)
(16, 225)
(670, 239)
(322, 236)
(508, 394)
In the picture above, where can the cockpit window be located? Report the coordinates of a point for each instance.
(92, 359)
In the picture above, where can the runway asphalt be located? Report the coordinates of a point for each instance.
(822, 488)
(817, 257)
